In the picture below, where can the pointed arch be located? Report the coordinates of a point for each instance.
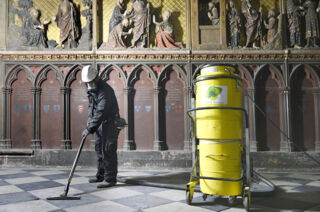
(276, 74)
(72, 75)
(13, 73)
(164, 74)
(312, 72)
(246, 76)
(105, 73)
(196, 71)
(134, 75)
(43, 72)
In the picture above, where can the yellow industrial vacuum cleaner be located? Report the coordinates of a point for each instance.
(221, 161)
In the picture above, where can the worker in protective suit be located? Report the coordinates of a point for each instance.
(103, 111)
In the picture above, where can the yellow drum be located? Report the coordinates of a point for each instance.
(219, 130)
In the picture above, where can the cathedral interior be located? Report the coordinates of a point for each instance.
(150, 52)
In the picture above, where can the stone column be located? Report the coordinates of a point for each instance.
(127, 143)
(285, 143)
(2, 101)
(157, 144)
(35, 141)
(187, 125)
(316, 94)
(252, 120)
(66, 141)
(5, 142)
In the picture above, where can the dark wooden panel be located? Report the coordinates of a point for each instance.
(21, 112)
(144, 112)
(117, 84)
(51, 112)
(267, 98)
(302, 107)
(174, 109)
(78, 111)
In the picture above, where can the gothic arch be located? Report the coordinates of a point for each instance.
(13, 75)
(164, 74)
(72, 75)
(310, 73)
(304, 106)
(246, 76)
(134, 75)
(43, 72)
(275, 73)
(104, 74)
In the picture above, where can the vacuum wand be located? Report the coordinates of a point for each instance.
(65, 196)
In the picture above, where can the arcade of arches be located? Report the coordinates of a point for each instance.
(44, 104)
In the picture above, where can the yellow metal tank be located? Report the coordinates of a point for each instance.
(219, 130)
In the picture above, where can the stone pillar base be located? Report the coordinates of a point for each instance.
(5, 144)
(285, 146)
(187, 146)
(317, 147)
(36, 144)
(66, 144)
(159, 145)
(129, 145)
(253, 146)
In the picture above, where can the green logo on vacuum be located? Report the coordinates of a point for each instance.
(213, 92)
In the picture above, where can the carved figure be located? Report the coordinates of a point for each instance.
(164, 32)
(294, 21)
(271, 26)
(253, 23)
(234, 24)
(34, 33)
(66, 21)
(213, 13)
(88, 14)
(312, 23)
(140, 16)
(17, 34)
(86, 33)
(115, 39)
(117, 15)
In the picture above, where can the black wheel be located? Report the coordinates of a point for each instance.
(246, 203)
(204, 197)
(188, 198)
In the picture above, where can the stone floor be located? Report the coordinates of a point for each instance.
(24, 190)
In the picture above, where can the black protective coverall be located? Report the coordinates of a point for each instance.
(103, 109)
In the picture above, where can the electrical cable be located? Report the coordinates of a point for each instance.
(282, 132)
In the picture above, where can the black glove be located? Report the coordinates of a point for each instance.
(85, 133)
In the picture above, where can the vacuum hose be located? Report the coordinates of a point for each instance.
(256, 189)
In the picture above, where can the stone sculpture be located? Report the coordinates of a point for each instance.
(35, 31)
(86, 38)
(140, 17)
(66, 21)
(164, 32)
(312, 23)
(271, 25)
(116, 36)
(234, 24)
(118, 14)
(213, 13)
(253, 23)
(294, 24)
